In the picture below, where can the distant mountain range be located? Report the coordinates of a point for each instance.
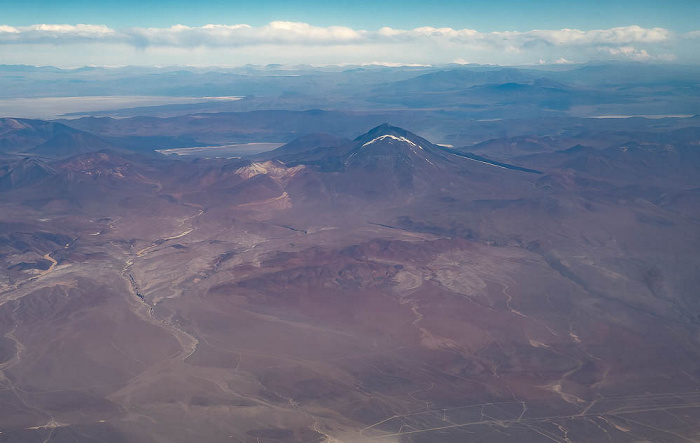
(475, 92)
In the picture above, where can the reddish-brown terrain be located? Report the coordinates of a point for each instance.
(383, 289)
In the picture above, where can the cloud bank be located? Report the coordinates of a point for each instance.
(293, 33)
(425, 43)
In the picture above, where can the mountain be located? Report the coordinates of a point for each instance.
(470, 89)
(389, 144)
(388, 149)
(23, 173)
(105, 165)
(536, 94)
(631, 73)
(234, 181)
(389, 159)
(307, 148)
(630, 161)
(20, 135)
(508, 147)
(389, 162)
(46, 139)
(454, 80)
(68, 144)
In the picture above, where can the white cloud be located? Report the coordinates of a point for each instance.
(289, 33)
(628, 51)
(636, 54)
(419, 45)
(613, 36)
(8, 30)
(276, 33)
(56, 34)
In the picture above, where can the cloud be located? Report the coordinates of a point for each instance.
(637, 54)
(420, 45)
(613, 36)
(275, 33)
(629, 52)
(56, 34)
(8, 29)
(295, 33)
(391, 64)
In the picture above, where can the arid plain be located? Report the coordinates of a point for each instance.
(378, 289)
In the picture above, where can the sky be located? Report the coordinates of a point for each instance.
(70, 33)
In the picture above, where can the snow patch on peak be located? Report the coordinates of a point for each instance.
(411, 145)
(401, 139)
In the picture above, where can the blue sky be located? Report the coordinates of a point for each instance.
(70, 33)
(494, 15)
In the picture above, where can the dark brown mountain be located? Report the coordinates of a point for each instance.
(509, 147)
(68, 144)
(21, 135)
(307, 149)
(16, 174)
(46, 139)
